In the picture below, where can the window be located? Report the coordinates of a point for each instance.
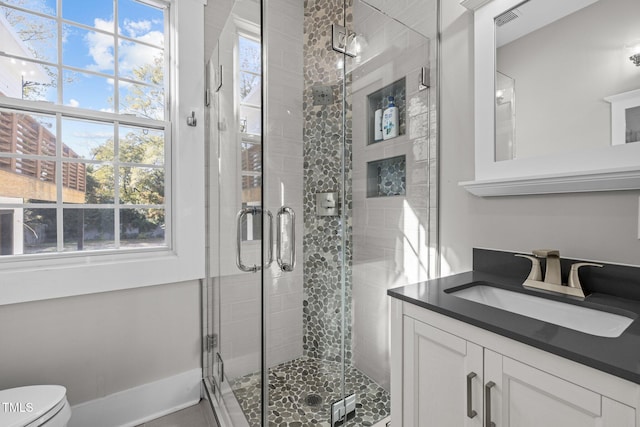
(84, 126)
(154, 130)
(249, 95)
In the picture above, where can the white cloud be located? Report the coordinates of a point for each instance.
(137, 28)
(101, 46)
(130, 55)
(73, 103)
(133, 55)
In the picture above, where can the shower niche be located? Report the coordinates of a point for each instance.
(378, 100)
(387, 177)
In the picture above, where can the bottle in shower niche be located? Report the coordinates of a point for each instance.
(390, 120)
(377, 123)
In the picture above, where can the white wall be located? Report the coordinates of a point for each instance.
(598, 226)
(100, 344)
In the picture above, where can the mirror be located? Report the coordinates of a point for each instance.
(557, 96)
(562, 75)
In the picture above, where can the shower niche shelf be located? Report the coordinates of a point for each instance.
(387, 177)
(378, 99)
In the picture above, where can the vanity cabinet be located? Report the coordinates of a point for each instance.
(448, 373)
(439, 368)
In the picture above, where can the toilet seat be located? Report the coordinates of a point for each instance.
(41, 405)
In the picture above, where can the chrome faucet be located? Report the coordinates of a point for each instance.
(552, 277)
(552, 273)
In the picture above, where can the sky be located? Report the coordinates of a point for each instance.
(94, 51)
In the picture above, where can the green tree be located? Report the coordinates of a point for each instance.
(146, 101)
(138, 185)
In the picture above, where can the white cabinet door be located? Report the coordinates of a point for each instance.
(442, 378)
(524, 396)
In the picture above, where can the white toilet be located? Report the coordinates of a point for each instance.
(32, 406)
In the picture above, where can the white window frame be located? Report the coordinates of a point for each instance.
(62, 275)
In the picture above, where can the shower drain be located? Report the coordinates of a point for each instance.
(313, 400)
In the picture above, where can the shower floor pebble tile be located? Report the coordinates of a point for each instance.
(301, 393)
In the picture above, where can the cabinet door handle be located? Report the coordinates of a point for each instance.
(487, 408)
(470, 412)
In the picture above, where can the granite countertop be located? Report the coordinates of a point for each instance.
(617, 356)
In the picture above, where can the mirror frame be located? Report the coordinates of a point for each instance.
(614, 167)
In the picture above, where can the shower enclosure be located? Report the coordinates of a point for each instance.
(312, 216)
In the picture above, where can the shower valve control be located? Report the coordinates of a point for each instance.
(327, 204)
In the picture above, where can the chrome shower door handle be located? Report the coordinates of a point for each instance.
(242, 213)
(286, 266)
(270, 243)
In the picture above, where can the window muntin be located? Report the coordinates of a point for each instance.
(101, 141)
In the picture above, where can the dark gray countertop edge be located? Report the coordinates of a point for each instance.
(481, 316)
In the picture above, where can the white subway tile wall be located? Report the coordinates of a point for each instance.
(392, 241)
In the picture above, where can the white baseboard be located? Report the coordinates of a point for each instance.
(140, 404)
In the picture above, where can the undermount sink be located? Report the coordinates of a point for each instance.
(583, 319)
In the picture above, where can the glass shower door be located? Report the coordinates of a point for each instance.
(312, 216)
(305, 163)
(238, 226)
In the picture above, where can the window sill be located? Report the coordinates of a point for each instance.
(39, 280)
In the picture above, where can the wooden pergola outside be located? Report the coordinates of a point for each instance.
(35, 179)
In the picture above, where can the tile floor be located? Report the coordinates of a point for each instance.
(199, 415)
(301, 392)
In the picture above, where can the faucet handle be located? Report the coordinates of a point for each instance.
(536, 272)
(546, 253)
(574, 279)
